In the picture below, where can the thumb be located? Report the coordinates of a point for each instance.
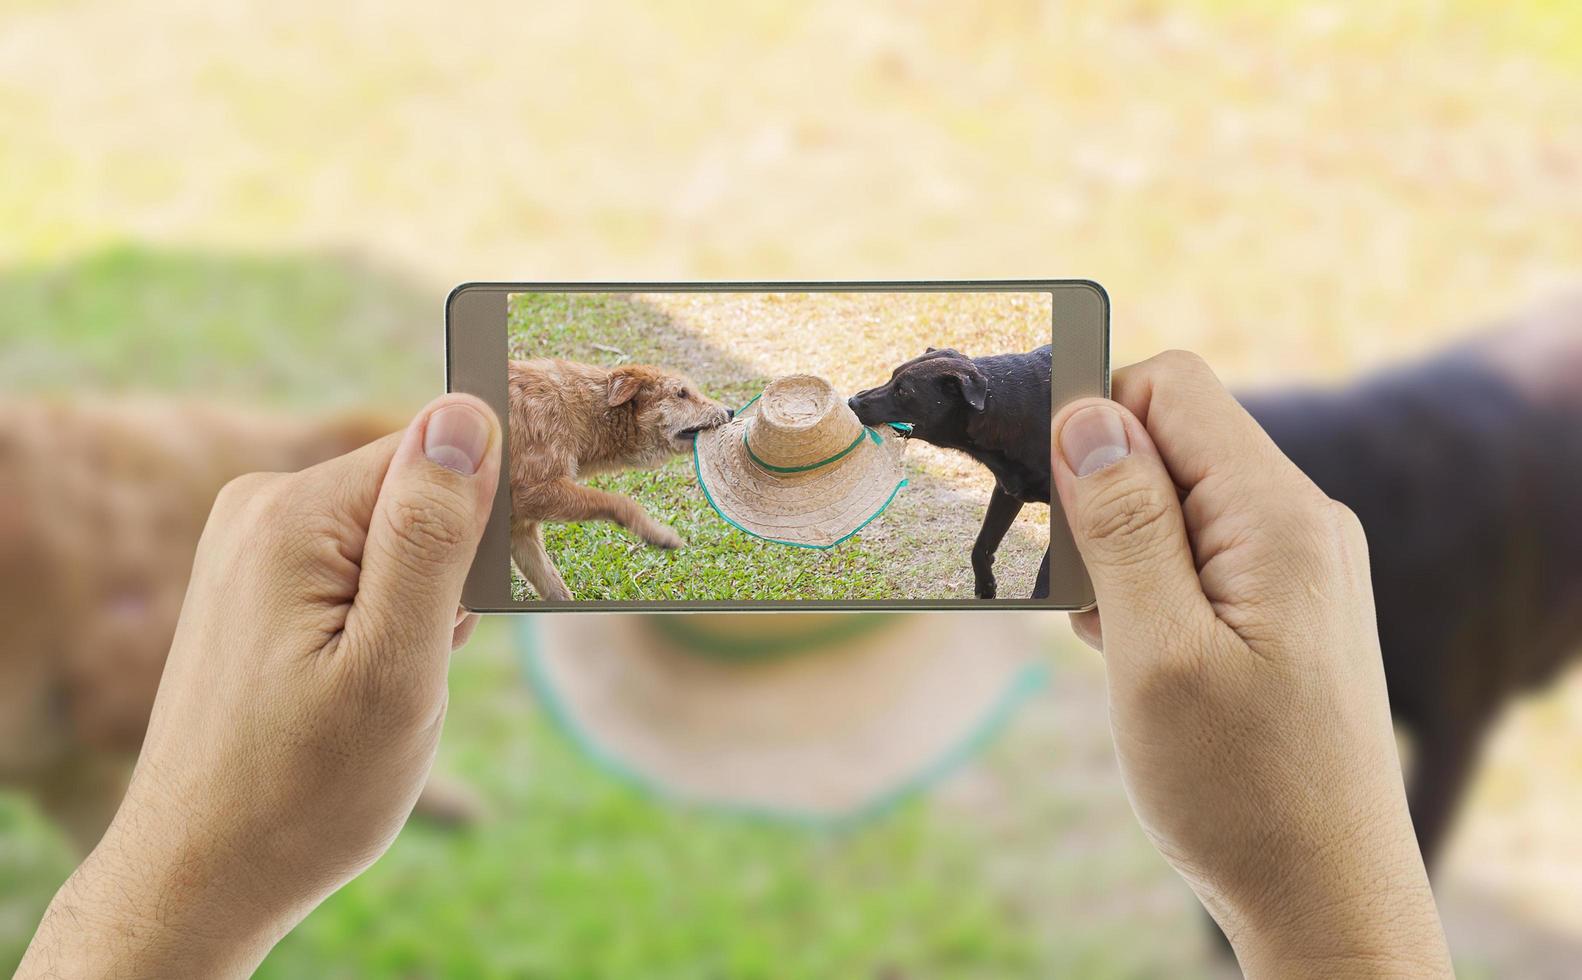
(1126, 519)
(427, 521)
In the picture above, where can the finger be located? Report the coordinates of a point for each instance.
(1124, 514)
(463, 632)
(1088, 628)
(317, 525)
(432, 506)
(1198, 428)
(1239, 490)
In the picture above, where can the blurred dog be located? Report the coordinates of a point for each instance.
(570, 420)
(996, 410)
(1466, 471)
(101, 507)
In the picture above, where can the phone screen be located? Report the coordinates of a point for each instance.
(751, 446)
(784, 446)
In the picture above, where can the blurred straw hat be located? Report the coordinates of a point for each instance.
(796, 467)
(821, 718)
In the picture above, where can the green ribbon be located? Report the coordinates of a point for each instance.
(811, 466)
(691, 639)
(902, 428)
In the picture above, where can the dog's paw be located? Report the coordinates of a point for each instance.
(985, 588)
(664, 537)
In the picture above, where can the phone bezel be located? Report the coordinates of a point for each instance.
(476, 346)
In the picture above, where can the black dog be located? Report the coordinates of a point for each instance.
(1466, 475)
(994, 409)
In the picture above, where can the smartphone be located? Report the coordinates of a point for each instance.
(777, 445)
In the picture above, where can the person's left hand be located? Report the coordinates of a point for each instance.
(299, 711)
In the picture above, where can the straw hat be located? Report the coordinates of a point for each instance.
(801, 716)
(796, 467)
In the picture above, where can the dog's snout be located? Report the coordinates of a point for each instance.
(851, 403)
(730, 413)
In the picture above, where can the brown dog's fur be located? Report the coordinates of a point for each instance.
(570, 420)
(101, 506)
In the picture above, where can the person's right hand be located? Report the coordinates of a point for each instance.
(1247, 695)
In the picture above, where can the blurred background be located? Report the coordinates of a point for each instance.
(265, 204)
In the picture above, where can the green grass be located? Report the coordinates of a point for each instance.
(300, 331)
(34, 860)
(602, 561)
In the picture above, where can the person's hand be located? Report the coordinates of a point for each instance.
(1247, 695)
(299, 711)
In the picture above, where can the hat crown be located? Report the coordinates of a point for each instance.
(800, 421)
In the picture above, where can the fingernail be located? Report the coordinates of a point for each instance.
(456, 438)
(1094, 438)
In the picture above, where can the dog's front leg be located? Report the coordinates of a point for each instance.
(571, 501)
(1445, 752)
(1003, 509)
(527, 548)
(1041, 583)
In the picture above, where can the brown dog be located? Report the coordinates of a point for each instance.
(570, 420)
(101, 506)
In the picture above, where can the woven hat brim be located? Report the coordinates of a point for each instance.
(826, 735)
(818, 508)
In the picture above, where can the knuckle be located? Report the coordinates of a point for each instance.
(1316, 523)
(276, 516)
(256, 506)
(1183, 363)
(239, 492)
(1352, 535)
(284, 530)
(429, 523)
(1350, 525)
(1128, 519)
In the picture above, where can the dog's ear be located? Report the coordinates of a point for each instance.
(930, 350)
(974, 386)
(624, 386)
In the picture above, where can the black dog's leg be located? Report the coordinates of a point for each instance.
(1003, 509)
(1443, 759)
(1041, 584)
